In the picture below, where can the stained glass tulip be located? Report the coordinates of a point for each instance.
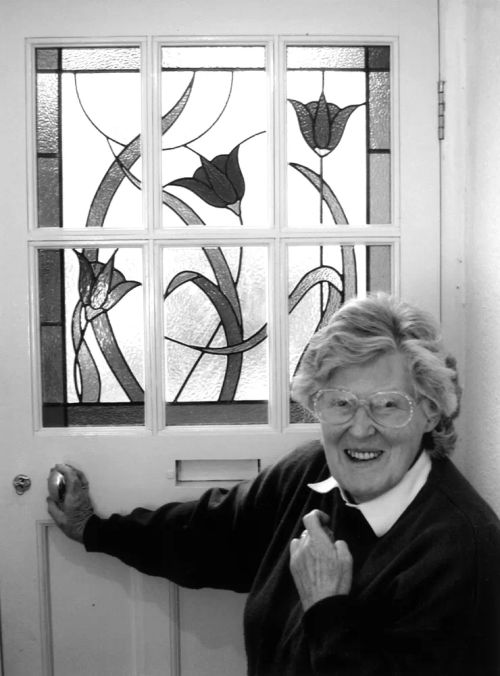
(322, 124)
(101, 286)
(218, 182)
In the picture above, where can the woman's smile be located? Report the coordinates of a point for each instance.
(363, 455)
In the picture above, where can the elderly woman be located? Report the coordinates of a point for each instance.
(365, 553)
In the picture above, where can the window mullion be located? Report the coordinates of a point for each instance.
(152, 161)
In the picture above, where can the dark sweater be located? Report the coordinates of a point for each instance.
(425, 597)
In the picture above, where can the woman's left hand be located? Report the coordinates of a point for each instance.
(320, 566)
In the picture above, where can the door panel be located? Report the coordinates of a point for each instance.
(67, 613)
(117, 621)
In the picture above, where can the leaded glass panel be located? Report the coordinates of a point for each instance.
(320, 279)
(88, 142)
(215, 102)
(214, 127)
(338, 135)
(216, 351)
(91, 336)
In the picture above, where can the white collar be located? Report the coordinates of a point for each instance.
(383, 512)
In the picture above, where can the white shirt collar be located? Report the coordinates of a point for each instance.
(383, 512)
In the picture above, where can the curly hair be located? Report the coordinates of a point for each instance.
(365, 329)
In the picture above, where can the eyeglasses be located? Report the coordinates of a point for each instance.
(389, 409)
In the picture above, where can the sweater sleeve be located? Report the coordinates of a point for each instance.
(216, 541)
(431, 621)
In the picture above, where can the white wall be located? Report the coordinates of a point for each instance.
(481, 426)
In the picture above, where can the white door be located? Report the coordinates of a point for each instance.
(105, 363)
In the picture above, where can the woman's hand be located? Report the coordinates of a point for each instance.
(321, 567)
(75, 509)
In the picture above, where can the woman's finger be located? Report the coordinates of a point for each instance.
(315, 523)
(55, 512)
(344, 559)
(75, 479)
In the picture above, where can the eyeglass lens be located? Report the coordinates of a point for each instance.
(391, 409)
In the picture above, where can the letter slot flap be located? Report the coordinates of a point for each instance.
(215, 470)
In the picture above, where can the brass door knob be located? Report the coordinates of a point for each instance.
(22, 483)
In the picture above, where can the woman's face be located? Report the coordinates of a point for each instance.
(364, 457)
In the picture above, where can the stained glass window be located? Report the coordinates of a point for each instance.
(218, 122)
(215, 308)
(88, 142)
(214, 136)
(320, 279)
(91, 336)
(338, 135)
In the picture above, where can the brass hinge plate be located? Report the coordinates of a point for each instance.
(441, 109)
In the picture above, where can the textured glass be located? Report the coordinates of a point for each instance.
(101, 59)
(379, 57)
(325, 57)
(88, 121)
(50, 292)
(380, 184)
(49, 192)
(214, 136)
(378, 268)
(47, 128)
(338, 113)
(215, 308)
(320, 280)
(380, 121)
(213, 57)
(91, 352)
(47, 59)
(53, 375)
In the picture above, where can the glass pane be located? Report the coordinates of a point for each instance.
(88, 144)
(216, 348)
(320, 279)
(92, 355)
(214, 136)
(338, 134)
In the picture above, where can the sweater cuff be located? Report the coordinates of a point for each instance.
(95, 534)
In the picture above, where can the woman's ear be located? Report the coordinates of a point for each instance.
(432, 414)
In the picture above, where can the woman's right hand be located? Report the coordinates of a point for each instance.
(72, 512)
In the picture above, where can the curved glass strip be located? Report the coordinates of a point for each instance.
(214, 136)
(320, 280)
(216, 354)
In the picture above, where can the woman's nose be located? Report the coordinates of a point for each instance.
(361, 424)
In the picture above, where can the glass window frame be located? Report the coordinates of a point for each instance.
(154, 237)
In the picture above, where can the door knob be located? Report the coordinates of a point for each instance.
(22, 483)
(57, 485)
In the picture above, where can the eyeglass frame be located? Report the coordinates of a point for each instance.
(364, 403)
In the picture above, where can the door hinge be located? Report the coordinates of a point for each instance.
(441, 109)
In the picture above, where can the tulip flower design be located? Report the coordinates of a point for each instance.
(100, 287)
(322, 126)
(219, 182)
